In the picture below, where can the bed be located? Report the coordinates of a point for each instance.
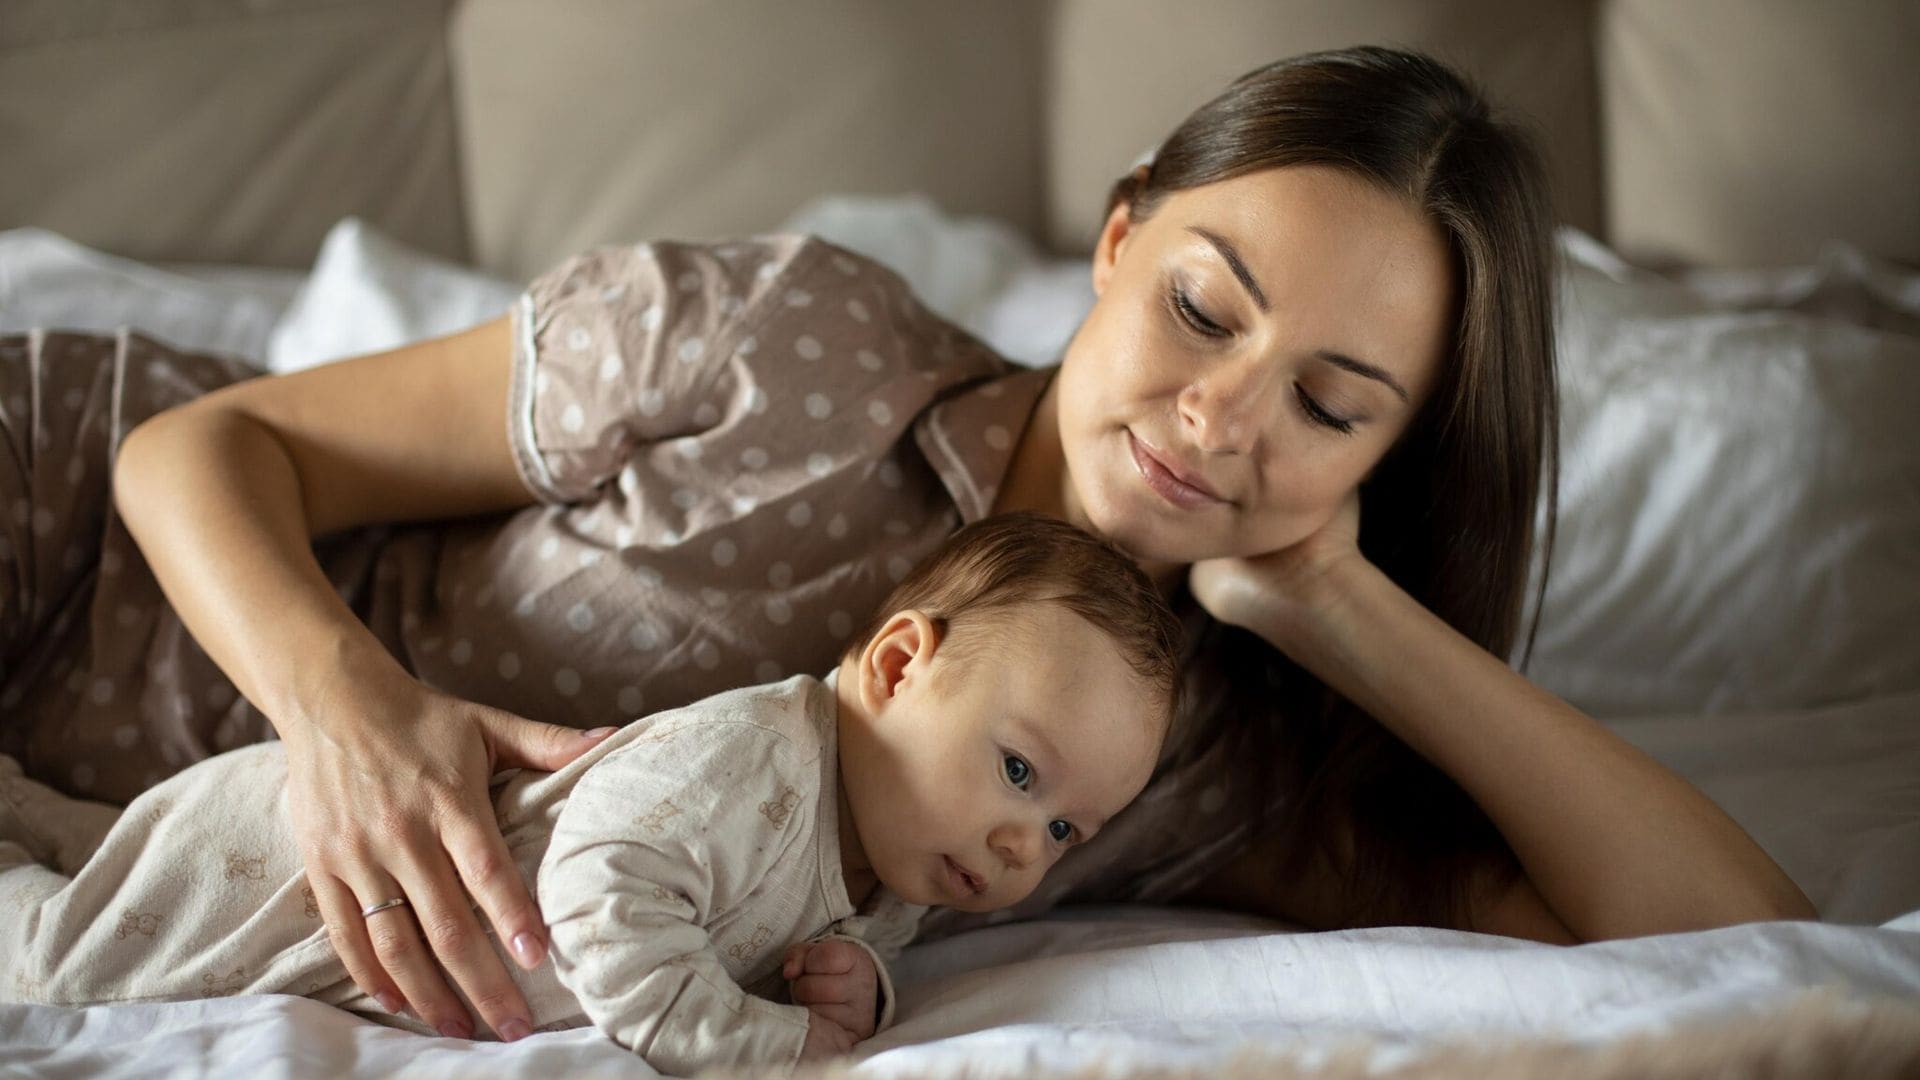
(1736, 581)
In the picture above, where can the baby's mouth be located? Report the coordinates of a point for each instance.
(972, 880)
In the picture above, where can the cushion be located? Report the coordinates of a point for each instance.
(1740, 495)
(1742, 132)
(369, 292)
(1126, 71)
(586, 122)
(50, 282)
(979, 273)
(232, 131)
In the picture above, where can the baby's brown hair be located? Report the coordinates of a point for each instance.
(998, 564)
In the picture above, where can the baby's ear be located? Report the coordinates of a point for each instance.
(899, 651)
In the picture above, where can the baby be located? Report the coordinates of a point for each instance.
(724, 882)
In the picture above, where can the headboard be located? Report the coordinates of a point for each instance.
(508, 133)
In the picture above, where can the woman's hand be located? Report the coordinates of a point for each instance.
(1271, 593)
(388, 793)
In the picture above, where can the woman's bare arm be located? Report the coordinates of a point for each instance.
(1611, 843)
(224, 495)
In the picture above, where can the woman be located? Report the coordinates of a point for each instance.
(1314, 398)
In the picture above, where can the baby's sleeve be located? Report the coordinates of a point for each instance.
(654, 842)
(624, 346)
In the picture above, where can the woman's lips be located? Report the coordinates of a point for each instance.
(1185, 491)
(965, 882)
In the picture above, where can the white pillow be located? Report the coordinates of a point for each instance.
(1740, 497)
(50, 282)
(979, 273)
(369, 293)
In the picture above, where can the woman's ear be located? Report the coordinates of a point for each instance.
(1113, 238)
(898, 653)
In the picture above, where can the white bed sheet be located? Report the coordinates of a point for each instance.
(1833, 793)
(1134, 986)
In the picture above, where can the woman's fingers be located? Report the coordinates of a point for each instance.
(399, 951)
(480, 853)
(455, 943)
(348, 933)
(382, 952)
(519, 743)
(394, 942)
(487, 869)
(397, 800)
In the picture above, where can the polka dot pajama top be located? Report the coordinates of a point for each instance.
(736, 450)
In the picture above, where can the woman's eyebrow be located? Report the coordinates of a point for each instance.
(1340, 360)
(1234, 263)
(1364, 369)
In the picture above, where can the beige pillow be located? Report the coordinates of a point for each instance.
(1746, 132)
(1126, 71)
(227, 130)
(596, 121)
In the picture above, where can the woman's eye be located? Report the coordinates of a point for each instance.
(1321, 416)
(1019, 773)
(1060, 831)
(1192, 317)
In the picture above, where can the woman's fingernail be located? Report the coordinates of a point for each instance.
(514, 1031)
(388, 1002)
(456, 1029)
(527, 948)
(598, 733)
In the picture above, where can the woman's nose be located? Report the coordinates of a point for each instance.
(1224, 410)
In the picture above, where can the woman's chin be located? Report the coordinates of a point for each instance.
(1152, 540)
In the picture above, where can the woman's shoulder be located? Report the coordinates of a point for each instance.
(737, 267)
(796, 281)
(623, 349)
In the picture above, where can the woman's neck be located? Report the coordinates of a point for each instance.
(1037, 479)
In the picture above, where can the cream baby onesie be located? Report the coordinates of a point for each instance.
(674, 863)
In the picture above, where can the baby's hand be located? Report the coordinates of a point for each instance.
(825, 1039)
(837, 983)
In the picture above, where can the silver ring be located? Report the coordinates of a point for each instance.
(374, 909)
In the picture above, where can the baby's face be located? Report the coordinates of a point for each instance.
(982, 771)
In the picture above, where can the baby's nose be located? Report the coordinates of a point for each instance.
(1017, 843)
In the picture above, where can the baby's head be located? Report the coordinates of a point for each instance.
(1011, 697)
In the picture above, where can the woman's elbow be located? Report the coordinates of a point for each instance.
(1788, 904)
(134, 459)
(157, 455)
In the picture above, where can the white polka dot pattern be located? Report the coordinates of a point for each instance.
(762, 471)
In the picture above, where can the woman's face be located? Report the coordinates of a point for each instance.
(1257, 346)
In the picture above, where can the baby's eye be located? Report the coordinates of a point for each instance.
(1060, 831)
(1019, 773)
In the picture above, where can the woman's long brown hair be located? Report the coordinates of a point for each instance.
(1450, 513)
